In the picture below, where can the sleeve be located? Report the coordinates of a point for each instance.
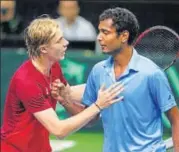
(32, 96)
(161, 91)
(90, 93)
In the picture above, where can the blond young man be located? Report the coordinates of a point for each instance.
(29, 115)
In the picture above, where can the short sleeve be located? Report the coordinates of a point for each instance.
(161, 91)
(90, 93)
(32, 96)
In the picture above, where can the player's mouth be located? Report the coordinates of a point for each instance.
(103, 47)
(65, 47)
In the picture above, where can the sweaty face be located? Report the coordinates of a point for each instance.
(57, 48)
(108, 39)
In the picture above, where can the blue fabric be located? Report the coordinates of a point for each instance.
(134, 124)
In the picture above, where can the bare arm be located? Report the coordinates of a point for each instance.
(62, 128)
(69, 97)
(77, 92)
(173, 116)
(74, 106)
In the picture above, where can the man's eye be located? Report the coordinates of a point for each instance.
(58, 41)
(105, 32)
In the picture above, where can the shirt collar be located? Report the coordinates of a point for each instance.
(133, 63)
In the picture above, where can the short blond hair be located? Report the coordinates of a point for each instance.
(40, 31)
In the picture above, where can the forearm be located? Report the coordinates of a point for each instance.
(173, 116)
(78, 121)
(73, 105)
(61, 128)
(175, 135)
(73, 108)
(77, 92)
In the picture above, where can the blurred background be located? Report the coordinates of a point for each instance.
(79, 21)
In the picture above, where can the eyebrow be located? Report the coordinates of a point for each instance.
(104, 30)
(59, 39)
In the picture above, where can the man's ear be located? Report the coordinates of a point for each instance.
(125, 36)
(43, 49)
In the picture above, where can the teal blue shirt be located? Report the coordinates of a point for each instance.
(134, 124)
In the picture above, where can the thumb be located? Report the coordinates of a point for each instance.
(57, 80)
(60, 99)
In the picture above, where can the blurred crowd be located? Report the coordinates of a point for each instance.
(80, 25)
(11, 22)
(74, 26)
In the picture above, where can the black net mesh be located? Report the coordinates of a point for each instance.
(159, 44)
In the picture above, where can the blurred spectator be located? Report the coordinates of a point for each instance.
(75, 27)
(11, 23)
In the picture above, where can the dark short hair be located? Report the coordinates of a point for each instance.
(123, 19)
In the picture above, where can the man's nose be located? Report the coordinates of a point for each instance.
(99, 37)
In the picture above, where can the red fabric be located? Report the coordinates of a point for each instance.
(29, 92)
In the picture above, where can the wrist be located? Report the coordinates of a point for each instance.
(99, 108)
(96, 108)
(176, 148)
(63, 102)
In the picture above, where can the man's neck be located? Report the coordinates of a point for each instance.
(123, 58)
(42, 65)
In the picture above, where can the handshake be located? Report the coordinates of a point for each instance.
(105, 98)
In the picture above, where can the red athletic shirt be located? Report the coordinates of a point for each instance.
(29, 92)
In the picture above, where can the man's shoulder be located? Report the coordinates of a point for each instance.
(25, 72)
(99, 65)
(146, 65)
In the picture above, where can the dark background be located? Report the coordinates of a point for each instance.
(148, 12)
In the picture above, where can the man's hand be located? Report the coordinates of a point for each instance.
(60, 92)
(173, 116)
(107, 97)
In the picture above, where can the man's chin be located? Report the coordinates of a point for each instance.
(105, 51)
(111, 52)
(62, 58)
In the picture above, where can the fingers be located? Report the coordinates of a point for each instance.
(108, 96)
(115, 93)
(56, 87)
(117, 100)
(113, 86)
(116, 88)
(57, 84)
(54, 93)
(57, 81)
